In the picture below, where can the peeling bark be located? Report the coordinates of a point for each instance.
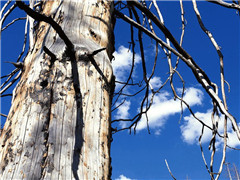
(59, 124)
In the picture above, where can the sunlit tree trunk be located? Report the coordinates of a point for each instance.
(53, 131)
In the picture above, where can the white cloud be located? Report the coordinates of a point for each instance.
(122, 177)
(157, 132)
(123, 112)
(123, 62)
(155, 82)
(191, 130)
(164, 106)
(233, 140)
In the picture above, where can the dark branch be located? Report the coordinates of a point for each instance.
(40, 17)
(4, 115)
(52, 56)
(18, 65)
(4, 95)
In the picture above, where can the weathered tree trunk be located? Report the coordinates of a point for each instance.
(52, 131)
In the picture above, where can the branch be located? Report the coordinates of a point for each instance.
(41, 17)
(183, 29)
(119, 105)
(4, 7)
(224, 149)
(18, 65)
(200, 75)
(4, 95)
(52, 56)
(169, 170)
(203, 157)
(229, 174)
(92, 60)
(133, 59)
(24, 41)
(9, 24)
(209, 34)
(225, 4)
(6, 14)
(9, 77)
(4, 115)
(31, 26)
(11, 83)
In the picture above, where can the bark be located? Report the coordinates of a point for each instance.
(59, 124)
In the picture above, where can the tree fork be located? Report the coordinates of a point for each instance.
(59, 124)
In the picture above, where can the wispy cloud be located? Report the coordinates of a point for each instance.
(155, 82)
(123, 62)
(191, 130)
(123, 112)
(122, 177)
(164, 106)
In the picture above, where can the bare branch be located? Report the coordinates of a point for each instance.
(224, 149)
(10, 74)
(229, 174)
(233, 148)
(203, 156)
(31, 26)
(236, 171)
(209, 34)
(169, 169)
(9, 77)
(18, 65)
(11, 83)
(225, 4)
(6, 14)
(4, 7)
(9, 24)
(197, 71)
(183, 29)
(24, 41)
(5, 95)
(4, 115)
(133, 57)
(119, 105)
(41, 17)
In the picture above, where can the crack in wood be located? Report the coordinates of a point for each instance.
(45, 129)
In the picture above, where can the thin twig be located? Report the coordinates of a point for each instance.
(5, 95)
(9, 24)
(4, 7)
(200, 75)
(225, 4)
(11, 83)
(6, 15)
(24, 41)
(203, 157)
(4, 115)
(119, 105)
(169, 170)
(229, 174)
(9, 77)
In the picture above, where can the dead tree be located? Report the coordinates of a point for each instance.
(59, 124)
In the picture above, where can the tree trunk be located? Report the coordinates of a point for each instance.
(52, 130)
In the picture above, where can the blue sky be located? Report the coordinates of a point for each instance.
(141, 156)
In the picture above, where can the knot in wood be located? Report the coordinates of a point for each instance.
(81, 53)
